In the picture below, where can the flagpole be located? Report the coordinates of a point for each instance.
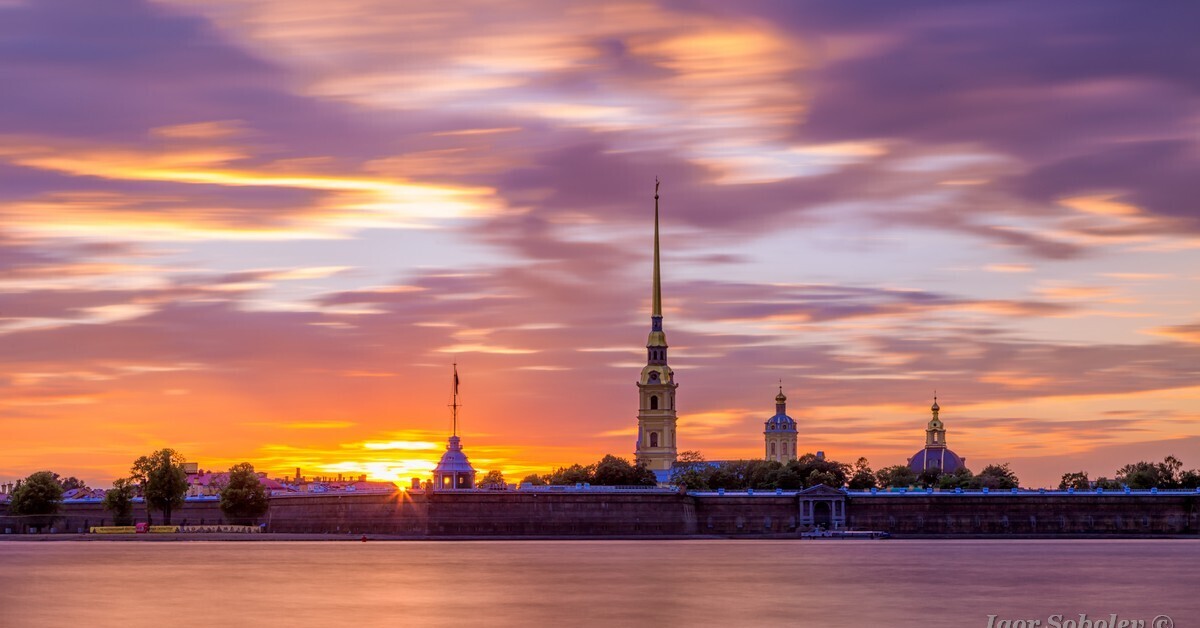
(454, 405)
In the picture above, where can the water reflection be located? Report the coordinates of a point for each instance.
(590, 583)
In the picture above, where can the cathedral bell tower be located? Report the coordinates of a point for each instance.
(935, 432)
(779, 432)
(656, 387)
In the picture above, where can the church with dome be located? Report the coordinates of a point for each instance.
(936, 455)
(779, 432)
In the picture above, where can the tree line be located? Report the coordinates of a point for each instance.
(159, 479)
(1142, 475)
(608, 471)
(809, 470)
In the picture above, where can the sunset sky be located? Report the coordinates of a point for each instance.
(263, 230)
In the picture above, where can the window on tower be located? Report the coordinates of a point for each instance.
(772, 449)
(653, 402)
(654, 439)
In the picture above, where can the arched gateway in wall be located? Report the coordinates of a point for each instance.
(824, 506)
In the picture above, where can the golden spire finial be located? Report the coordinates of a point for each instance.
(657, 299)
(454, 404)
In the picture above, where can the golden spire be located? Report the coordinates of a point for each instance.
(657, 301)
(454, 405)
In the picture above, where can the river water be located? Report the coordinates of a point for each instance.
(596, 583)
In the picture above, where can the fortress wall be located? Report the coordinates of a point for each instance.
(745, 514)
(560, 514)
(1026, 514)
(615, 513)
(369, 513)
(76, 516)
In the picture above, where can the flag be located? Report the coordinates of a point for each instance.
(456, 380)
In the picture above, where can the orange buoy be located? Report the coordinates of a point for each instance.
(364, 538)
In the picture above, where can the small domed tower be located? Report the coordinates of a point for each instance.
(936, 455)
(454, 470)
(779, 432)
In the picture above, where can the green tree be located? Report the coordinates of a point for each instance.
(897, 476)
(1077, 480)
(119, 501)
(1107, 484)
(761, 474)
(929, 477)
(161, 481)
(38, 494)
(788, 478)
(1189, 479)
(822, 477)
(997, 476)
(615, 471)
(1143, 475)
(832, 473)
(961, 478)
(574, 474)
(691, 471)
(723, 477)
(493, 478)
(243, 498)
(862, 478)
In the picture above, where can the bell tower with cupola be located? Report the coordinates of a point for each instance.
(935, 432)
(936, 455)
(656, 387)
(779, 432)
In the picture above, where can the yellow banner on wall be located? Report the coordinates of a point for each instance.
(113, 530)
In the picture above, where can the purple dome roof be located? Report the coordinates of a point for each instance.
(780, 423)
(935, 458)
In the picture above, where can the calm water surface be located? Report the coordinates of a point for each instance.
(593, 583)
